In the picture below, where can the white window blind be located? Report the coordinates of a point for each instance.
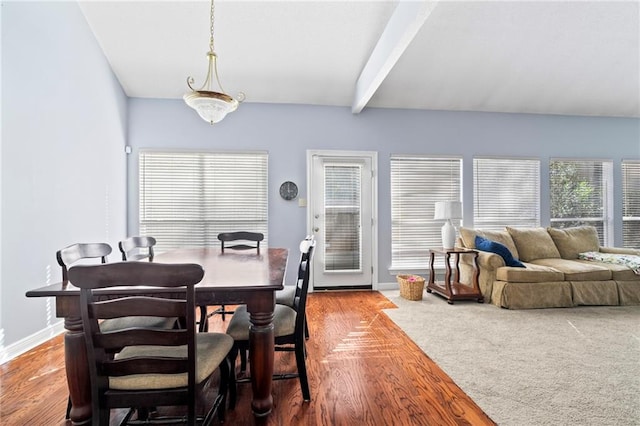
(580, 191)
(187, 198)
(416, 184)
(631, 204)
(506, 192)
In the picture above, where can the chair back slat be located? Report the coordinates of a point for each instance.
(245, 237)
(146, 365)
(141, 305)
(112, 340)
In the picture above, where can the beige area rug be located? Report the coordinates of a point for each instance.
(578, 366)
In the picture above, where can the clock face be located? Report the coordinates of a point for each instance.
(288, 190)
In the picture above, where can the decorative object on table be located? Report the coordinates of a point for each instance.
(448, 210)
(212, 106)
(411, 286)
(288, 190)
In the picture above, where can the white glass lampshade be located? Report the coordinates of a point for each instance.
(211, 106)
(447, 210)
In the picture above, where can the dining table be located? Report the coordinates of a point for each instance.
(232, 277)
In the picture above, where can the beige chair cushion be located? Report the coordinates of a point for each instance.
(212, 348)
(468, 237)
(286, 295)
(533, 243)
(577, 271)
(141, 321)
(571, 241)
(532, 273)
(284, 322)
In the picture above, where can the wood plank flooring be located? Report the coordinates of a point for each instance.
(362, 369)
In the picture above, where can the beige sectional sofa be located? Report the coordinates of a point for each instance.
(553, 275)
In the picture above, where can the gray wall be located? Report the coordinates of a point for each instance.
(63, 175)
(288, 131)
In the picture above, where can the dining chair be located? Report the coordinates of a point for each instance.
(75, 253)
(152, 367)
(240, 240)
(289, 327)
(137, 248)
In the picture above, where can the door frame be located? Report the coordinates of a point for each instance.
(373, 156)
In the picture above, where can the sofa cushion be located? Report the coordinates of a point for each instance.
(618, 272)
(577, 271)
(531, 273)
(571, 241)
(468, 237)
(499, 249)
(533, 243)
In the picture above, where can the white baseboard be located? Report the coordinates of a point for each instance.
(388, 286)
(21, 346)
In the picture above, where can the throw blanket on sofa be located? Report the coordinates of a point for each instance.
(628, 260)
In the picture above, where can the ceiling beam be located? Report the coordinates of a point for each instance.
(404, 24)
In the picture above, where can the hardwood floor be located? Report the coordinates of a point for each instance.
(362, 369)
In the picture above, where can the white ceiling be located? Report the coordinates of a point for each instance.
(550, 57)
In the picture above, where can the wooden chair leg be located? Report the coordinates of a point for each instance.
(204, 320)
(67, 416)
(302, 371)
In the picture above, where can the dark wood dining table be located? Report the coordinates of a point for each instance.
(230, 278)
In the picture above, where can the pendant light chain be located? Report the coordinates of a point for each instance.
(211, 28)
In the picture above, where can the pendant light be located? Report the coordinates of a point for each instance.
(211, 105)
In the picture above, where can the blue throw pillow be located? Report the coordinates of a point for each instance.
(497, 248)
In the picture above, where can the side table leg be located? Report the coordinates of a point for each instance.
(77, 367)
(447, 277)
(261, 352)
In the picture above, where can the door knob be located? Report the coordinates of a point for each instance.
(316, 229)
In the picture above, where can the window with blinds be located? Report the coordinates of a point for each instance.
(580, 192)
(187, 198)
(416, 184)
(506, 192)
(631, 204)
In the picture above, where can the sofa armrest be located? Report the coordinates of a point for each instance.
(619, 250)
(488, 260)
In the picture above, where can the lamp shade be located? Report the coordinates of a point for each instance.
(448, 210)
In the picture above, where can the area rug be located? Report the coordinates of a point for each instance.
(577, 366)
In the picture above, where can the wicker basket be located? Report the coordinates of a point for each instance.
(411, 286)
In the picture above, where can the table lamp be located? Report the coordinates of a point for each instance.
(447, 210)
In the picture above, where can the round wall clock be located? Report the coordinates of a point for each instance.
(288, 190)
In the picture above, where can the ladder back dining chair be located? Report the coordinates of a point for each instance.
(152, 367)
(80, 252)
(240, 240)
(289, 327)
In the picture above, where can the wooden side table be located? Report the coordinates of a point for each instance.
(454, 290)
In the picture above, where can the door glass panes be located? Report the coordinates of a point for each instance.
(579, 192)
(342, 217)
(631, 204)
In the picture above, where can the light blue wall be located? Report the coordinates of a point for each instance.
(288, 131)
(65, 121)
(63, 174)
